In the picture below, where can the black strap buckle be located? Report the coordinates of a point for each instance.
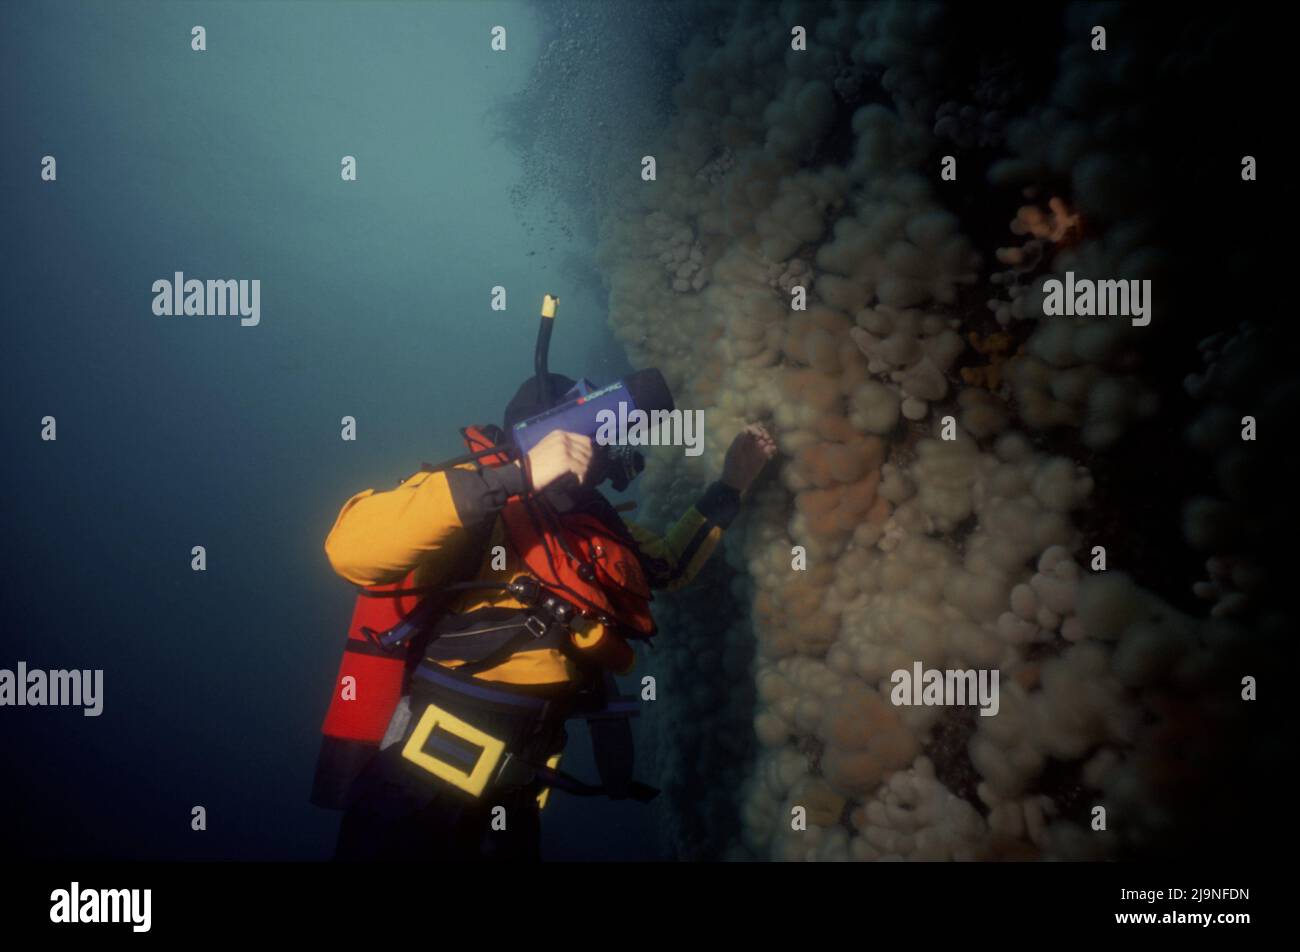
(559, 609)
(514, 772)
(535, 626)
(374, 637)
(526, 589)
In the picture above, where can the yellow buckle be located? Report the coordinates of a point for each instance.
(544, 794)
(473, 781)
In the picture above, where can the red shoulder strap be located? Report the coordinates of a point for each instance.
(485, 437)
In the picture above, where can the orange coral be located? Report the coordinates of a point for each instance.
(996, 347)
(792, 620)
(810, 387)
(837, 510)
(836, 429)
(865, 741)
(1059, 224)
(815, 336)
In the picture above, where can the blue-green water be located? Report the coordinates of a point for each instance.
(182, 431)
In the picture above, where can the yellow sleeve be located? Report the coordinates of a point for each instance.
(379, 537)
(681, 553)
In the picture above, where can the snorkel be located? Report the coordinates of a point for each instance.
(543, 348)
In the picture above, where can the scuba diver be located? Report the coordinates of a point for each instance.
(499, 594)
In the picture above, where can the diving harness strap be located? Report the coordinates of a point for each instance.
(472, 760)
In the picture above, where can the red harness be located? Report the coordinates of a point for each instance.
(576, 556)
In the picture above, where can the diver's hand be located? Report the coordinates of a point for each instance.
(558, 455)
(747, 455)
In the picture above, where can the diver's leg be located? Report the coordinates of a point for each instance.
(393, 814)
(520, 841)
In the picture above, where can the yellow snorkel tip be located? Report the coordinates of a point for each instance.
(549, 304)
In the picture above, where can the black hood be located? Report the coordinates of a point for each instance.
(525, 404)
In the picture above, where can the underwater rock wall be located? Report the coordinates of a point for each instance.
(944, 464)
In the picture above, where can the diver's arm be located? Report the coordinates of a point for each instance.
(380, 536)
(679, 555)
(427, 520)
(692, 540)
